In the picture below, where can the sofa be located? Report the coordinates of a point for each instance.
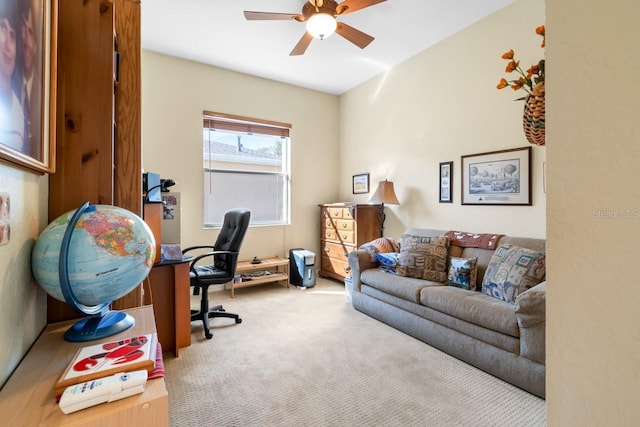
(504, 337)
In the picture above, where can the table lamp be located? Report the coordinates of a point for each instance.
(384, 194)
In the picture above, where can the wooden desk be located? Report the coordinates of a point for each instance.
(27, 399)
(171, 303)
(267, 265)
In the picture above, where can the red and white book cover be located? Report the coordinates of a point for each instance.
(101, 360)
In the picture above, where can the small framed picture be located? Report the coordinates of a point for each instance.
(446, 181)
(361, 183)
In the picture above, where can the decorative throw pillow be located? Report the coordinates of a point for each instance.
(462, 272)
(388, 261)
(380, 245)
(511, 271)
(423, 257)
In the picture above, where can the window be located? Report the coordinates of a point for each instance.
(246, 164)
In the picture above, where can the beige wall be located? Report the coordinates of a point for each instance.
(175, 93)
(435, 107)
(23, 305)
(593, 215)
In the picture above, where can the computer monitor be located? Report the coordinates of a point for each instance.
(151, 187)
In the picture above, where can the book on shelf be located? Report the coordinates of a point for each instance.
(101, 360)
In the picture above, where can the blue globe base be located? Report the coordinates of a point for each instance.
(99, 326)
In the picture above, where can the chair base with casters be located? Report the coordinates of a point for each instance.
(217, 266)
(205, 313)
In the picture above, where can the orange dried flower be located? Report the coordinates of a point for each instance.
(508, 55)
(541, 32)
(512, 66)
(526, 81)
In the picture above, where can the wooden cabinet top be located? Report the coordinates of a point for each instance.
(348, 205)
(27, 399)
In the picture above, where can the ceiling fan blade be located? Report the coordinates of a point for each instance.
(349, 6)
(356, 37)
(302, 45)
(270, 16)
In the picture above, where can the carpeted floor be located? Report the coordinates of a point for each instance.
(307, 358)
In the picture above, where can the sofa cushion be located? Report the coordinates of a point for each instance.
(407, 288)
(511, 271)
(380, 245)
(473, 307)
(423, 257)
(462, 272)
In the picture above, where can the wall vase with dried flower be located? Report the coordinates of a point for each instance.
(532, 82)
(533, 116)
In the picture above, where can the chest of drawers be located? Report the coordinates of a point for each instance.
(344, 227)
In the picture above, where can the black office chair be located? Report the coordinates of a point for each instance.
(224, 259)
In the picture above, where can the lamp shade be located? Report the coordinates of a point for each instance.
(321, 25)
(385, 194)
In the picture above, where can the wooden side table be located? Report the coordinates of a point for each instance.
(170, 298)
(276, 269)
(27, 399)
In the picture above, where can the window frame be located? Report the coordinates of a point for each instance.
(242, 125)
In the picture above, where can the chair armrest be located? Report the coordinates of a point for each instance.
(358, 262)
(191, 248)
(194, 261)
(530, 308)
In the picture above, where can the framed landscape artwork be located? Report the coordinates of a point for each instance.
(497, 178)
(361, 183)
(446, 182)
(27, 72)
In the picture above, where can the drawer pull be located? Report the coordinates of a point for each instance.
(327, 250)
(345, 237)
(344, 225)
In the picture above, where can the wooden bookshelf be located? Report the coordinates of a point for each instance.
(275, 270)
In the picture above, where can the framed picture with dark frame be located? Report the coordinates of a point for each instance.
(497, 178)
(446, 182)
(27, 131)
(361, 183)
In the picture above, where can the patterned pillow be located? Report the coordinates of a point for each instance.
(511, 271)
(462, 272)
(388, 261)
(423, 257)
(380, 245)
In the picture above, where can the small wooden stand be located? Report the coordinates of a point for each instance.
(269, 265)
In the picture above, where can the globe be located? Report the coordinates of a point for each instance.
(89, 257)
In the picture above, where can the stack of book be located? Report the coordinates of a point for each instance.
(102, 360)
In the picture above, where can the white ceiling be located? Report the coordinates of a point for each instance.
(215, 32)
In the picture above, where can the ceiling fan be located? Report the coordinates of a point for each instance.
(320, 16)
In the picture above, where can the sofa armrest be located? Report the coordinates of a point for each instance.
(358, 262)
(530, 310)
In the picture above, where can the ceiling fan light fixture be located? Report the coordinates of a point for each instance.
(321, 25)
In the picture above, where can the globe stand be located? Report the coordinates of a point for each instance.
(96, 327)
(102, 322)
